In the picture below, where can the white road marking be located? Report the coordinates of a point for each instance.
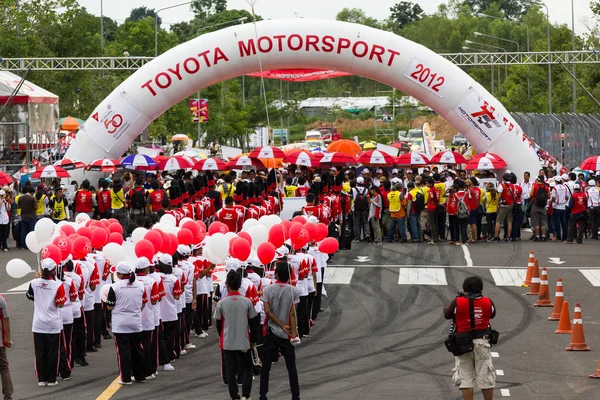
(592, 275)
(494, 354)
(500, 372)
(467, 253)
(338, 276)
(505, 392)
(508, 277)
(422, 276)
(21, 288)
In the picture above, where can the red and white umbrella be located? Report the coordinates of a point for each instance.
(338, 159)
(448, 157)
(103, 165)
(486, 163)
(244, 163)
(413, 159)
(591, 164)
(491, 156)
(210, 164)
(50, 171)
(304, 158)
(176, 163)
(69, 164)
(375, 158)
(6, 179)
(267, 152)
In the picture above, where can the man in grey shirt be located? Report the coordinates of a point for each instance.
(235, 315)
(5, 342)
(280, 301)
(28, 206)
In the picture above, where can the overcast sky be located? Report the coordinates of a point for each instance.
(560, 10)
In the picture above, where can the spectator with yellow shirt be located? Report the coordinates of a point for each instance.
(398, 205)
(491, 208)
(416, 200)
(440, 213)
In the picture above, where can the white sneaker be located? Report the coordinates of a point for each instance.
(204, 334)
(55, 383)
(125, 383)
(150, 377)
(189, 346)
(168, 367)
(246, 398)
(42, 384)
(183, 352)
(197, 334)
(135, 380)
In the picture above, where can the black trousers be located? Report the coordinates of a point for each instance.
(188, 319)
(316, 309)
(89, 320)
(146, 341)
(210, 301)
(169, 334)
(238, 363)
(302, 313)
(130, 355)
(310, 307)
(178, 332)
(272, 346)
(47, 347)
(99, 323)
(577, 226)
(440, 214)
(78, 338)
(202, 316)
(64, 366)
(154, 345)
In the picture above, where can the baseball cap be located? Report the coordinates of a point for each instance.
(298, 171)
(558, 178)
(142, 263)
(396, 180)
(395, 171)
(365, 171)
(48, 263)
(577, 186)
(360, 180)
(379, 171)
(183, 249)
(565, 177)
(124, 268)
(233, 264)
(592, 182)
(333, 169)
(166, 259)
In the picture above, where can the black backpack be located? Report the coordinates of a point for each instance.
(419, 203)
(541, 196)
(360, 201)
(138, 200)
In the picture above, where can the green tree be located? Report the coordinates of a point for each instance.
(357, 16)
(205, 8)
(405, 12)
(143, 12)
(510, 8)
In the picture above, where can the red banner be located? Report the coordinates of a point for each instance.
(199, 110)
(300, 75)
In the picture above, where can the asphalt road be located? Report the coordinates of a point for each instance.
(377, 338)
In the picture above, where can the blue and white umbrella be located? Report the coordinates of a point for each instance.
(139, 162)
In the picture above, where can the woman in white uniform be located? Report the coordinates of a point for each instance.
(141, 271)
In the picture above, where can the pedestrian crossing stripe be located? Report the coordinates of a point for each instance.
(338, 276)
(422, 276)
(592, 275)
(21, 288)
(508, 277)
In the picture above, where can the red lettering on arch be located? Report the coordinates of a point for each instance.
(364, 53)
(279, 41)
(195, 63)
(176, 71)
(159, 84)
(248, 49)
(328, 44)
(312, 40)
(204, 55)
(377, 51)
(343, 43)
(300, 42)
(219, 55)
(393, 53)
(261, 40)
(148, 85)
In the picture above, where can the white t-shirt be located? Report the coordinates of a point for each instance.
(127, 298)
(90, 273)
(75, 305)
(188, 270)
(100, 264)
(559, 196)
(156, 308)
(593, 196)
(150, 284)
(66, 312)
(168, 305)
(46, 295)
(178, 273)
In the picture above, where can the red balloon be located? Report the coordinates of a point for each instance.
(185, 236)
(295, 230)
(197, 234)
(155, 238)
(64, 244)
(277, 235)
(329, 246)
(99, 238)
(299, 218)
(81, 247)
(245, 235)
(174, 242)
(85, 231)
(52, 251)
(115, 237)
(299, 239)
(217, 227)
(241, 248)
(74, 236)
(311, 229)
(116, 228)
(96, 223)
(105, 222)
(112, 221)
(67, 230)
(166, 241)
(265, 252)
(144, 248)
(89, 222)
(201, 224)
(321, 232)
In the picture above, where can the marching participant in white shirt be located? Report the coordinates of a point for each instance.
(148, 324)
(203, 273)
(189, 298)
(126, 299)
(77, 354)
(593, 195)
(178, 272)
(66, 312)
(48, 296)
(154, 341)
(168, 311)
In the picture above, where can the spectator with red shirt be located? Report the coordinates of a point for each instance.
(385, 189)
(578, 216)
(83, 201)
(475, 208)
(462, 196)
(518, 212)
(229, 215)
(539, 194)
(452, 211)
(302, 189)
(433, 201)
(506, 190)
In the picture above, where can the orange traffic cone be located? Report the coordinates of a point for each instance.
(559, 296)
(597, 374)
(564, 324)
(534, 287)
(544, 296)
(577, 338)
(530, 264)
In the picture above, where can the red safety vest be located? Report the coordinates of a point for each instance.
(483, 313)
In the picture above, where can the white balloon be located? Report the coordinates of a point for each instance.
(32, 243)
(259, 234)
(184, 220)
(44, 229)
(249, 223)
(138, 234)
(168, 219)
(218, 245)
(104, 292)
(276, 219)
(17, 268)
(114, 253)
(75, 225)
(268, 221)
(229, 236)
(210, 256)
(82, 218)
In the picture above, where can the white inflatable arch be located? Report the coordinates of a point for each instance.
(302, 43)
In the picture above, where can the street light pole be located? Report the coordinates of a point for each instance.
(549, 65)
(156, 23)
(491, 67)
(502, 39)
(102, 26)
(493, 47)
(574, 65)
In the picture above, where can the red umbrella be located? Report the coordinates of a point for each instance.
(69, 164)
(210, 164)
(50, 171)
(176, 163)
(486, 163)
(338, 159)
(413, 159)
(245, 162)
(491, 156)
(267, 152)
(375, 158)
(402, 146)
(103, 165)
(304, 158)
(591, 164)
(5, 179)
(448, 157)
